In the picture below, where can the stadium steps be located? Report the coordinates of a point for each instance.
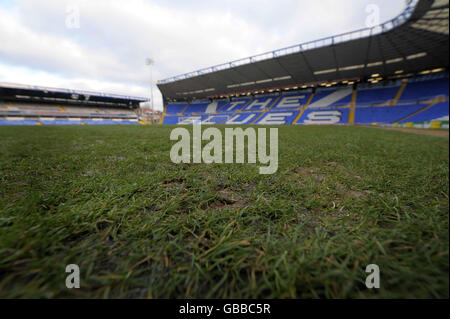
(351, 116)
(400, 92)
(258, 117)
(267, 110)
(303, 109)
(246, 104)
(415, 113)
(184, 110)
(274, 103)
(163, 115)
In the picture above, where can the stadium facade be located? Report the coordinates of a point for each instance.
(402, 63)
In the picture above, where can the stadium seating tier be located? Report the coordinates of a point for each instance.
(393, 102)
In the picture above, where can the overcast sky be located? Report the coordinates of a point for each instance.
(42, 42)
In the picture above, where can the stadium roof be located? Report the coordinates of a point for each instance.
(14, 86)
(415, 41)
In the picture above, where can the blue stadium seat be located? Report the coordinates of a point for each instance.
(424, 90)
(235, 105)
(291, 101)
(259, 104)
(175, 108)
(436, 112)
(384, 114)
(100, 122)
(197, 107)
(61, 122)
(328, 106)
(5, 122)
(376, 96)
(221, 104)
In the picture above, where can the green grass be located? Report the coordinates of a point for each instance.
(110, 200)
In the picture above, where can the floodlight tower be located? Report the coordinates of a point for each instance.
(150, 62)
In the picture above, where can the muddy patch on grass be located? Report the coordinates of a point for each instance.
(76, 238)
(227, 198)
(173, 181)
(310, 172)
(349, 193)
(176, 184)
(334, 176)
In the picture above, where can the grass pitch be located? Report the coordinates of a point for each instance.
(110, 200)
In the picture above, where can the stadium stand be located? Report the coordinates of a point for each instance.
(197, 107)
(387, 74)
(27, 105)
(384, 114)
(12, 121)
(421, 99)
(36, 114)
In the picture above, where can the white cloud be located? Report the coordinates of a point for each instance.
(17, 74)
